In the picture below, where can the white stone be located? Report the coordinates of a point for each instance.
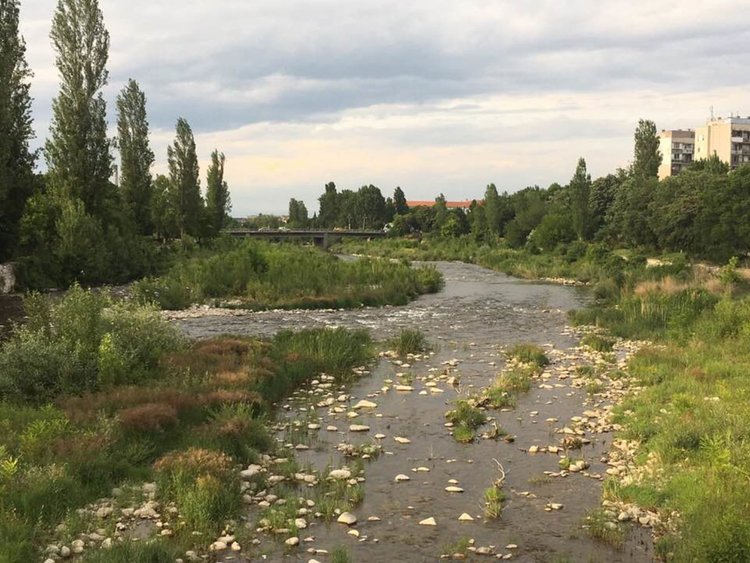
(465, 518)
(347, 518)
(359, 428)
(292, 541)
(365, 405)
(402, 477)
(428, 522)
(401, 440)
(300, 523)
(454, 489)
(340, 474)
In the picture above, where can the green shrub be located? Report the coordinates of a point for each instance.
(598, 342)
(81, 343)
(529, 354)
(410, 342)
(134, 552)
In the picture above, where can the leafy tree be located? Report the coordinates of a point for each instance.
(603, 194)
(631, 221)
(711, 164)
(218, 202)
(440, 212)
(298, 216)
(162, 212)
(399, 202)
(478, 221)
(492, 209)
(16, 160)
(647, 157)
(579, 191)
(370, 208)
(78, 150)
(329, 207)
(554, 229)
(184, 183)
(136, 156)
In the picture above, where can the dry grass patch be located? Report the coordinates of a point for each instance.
(151, 417)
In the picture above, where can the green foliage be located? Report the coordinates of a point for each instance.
(493, 502)
(598, 342)
(466, 419)
(184, 185)
(16, 131)
(131, 552)
(81, 343)
(218, 202)
(136, 156)
(528, 354)
(264, 275)
(78, 149)
(410, 341)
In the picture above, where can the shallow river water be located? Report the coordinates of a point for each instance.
(478, 315)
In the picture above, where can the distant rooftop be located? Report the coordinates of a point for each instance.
(465, 204)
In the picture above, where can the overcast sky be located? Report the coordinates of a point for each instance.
(435, 96)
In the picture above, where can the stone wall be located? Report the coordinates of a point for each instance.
(7, 278)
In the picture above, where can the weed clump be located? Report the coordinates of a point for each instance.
(529, 354)
(410, 341)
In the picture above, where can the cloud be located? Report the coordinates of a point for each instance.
(440, 95)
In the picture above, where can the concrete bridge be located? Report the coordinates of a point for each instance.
(323, 238)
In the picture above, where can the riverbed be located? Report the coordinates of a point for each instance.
(478, 315)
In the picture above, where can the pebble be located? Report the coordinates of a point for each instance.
(454, 489)
(401, 440)
(292, 541)
(359, 428)
(401, 477)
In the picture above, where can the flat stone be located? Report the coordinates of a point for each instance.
(428, 522)
(465, 518)
(359, 428)
(454, 489)
(401, 440)
(402, 477)
(292, 541)
(365, 405)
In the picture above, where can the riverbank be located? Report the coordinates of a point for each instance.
(680, 458)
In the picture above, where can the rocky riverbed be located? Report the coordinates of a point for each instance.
(385, 439)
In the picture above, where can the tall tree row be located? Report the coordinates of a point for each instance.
(16, 160)
(75, 223)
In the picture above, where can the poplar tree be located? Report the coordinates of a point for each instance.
(399, 202)
(218, 203)
(136, 156)
(647, 157)
(78, 150)
(580, 190)
(16, 161)
(184, 183)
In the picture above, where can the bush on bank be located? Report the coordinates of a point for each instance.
(97, 394)
(263, 275)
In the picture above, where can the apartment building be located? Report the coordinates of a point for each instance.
(726, 137)
(677, 148)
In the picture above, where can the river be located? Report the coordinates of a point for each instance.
(471, 321)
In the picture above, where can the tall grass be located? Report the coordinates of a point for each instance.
(188, 426)
(410, 341)
(263, 275)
